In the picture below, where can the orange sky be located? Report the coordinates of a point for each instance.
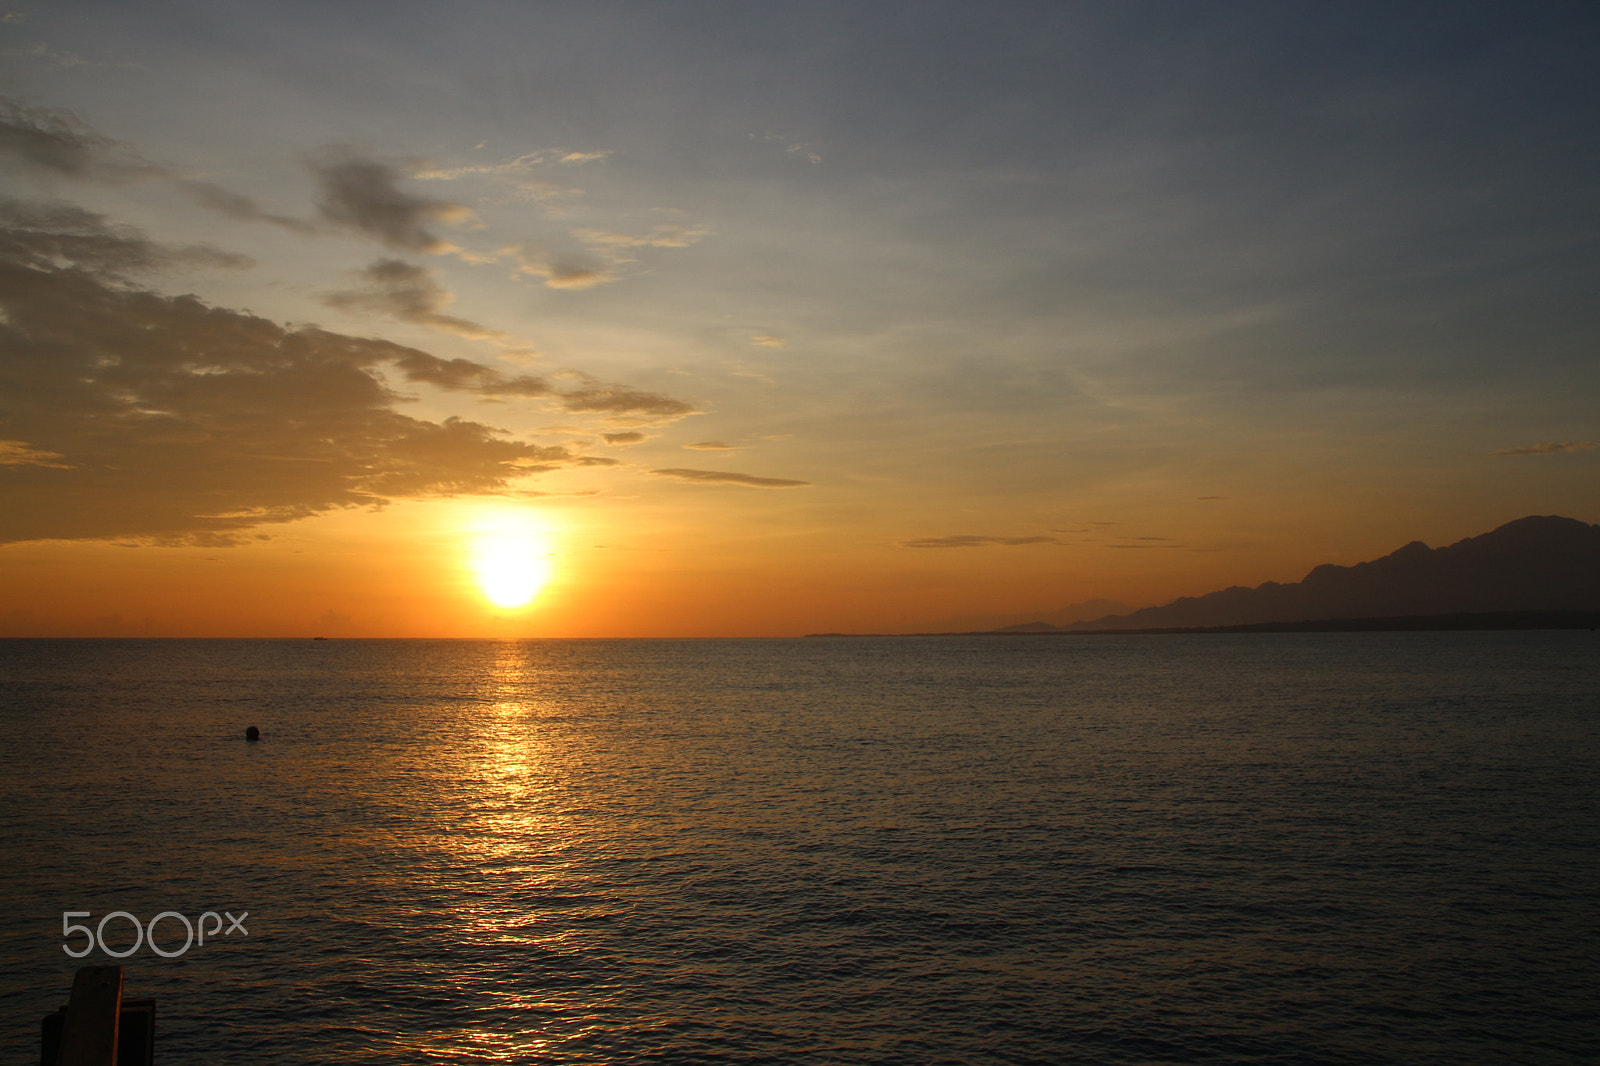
(722, 331)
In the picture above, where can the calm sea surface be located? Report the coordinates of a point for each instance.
(1308, 848)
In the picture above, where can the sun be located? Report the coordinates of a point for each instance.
(510, 556)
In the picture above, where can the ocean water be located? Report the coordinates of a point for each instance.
(1266, 848)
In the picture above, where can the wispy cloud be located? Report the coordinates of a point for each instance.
(411, 294)
(54, 236)
(521, 178)
(59, 143)
(602, 258)
(19, 453)
(521, 165)
(768, 341)
(794, 147)
(968, 541)
(1551, 448)
(558, 271)
(665, 235)
(712, 446)
(729, 478)
(236, 205)
(582, 258)
(556, 200)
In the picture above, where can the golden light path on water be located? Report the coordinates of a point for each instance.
(510, 557)
(500, 779)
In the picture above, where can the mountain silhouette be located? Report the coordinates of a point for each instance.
(1538, 563)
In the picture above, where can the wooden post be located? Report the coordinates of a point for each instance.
(89, 1037)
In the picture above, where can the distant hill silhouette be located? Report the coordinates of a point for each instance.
(1538, 563)
(1058, 621)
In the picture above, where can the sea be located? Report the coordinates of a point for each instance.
(1208, 848)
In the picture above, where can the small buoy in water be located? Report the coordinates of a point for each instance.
(252, 733)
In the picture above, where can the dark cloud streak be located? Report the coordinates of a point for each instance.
(410, 294)
(1551, 448)
(729, 478)
(235, 205)
(967, 541)
(465, 375)
(620, 401)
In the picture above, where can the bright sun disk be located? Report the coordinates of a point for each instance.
(511, 561)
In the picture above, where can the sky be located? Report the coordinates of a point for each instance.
(762, 319)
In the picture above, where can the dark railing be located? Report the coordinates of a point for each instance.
(98, 1027)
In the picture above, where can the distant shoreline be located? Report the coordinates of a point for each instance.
(1485, 620)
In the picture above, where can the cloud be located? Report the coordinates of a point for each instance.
(793, 146)
(61, 236)
(666, 235)
(58, 143)
(605, 253)
(363, 195)
(557, 200)
(729, 478)
(410, 294)
(521, 165)
(467, 376)
(628, 437)
(768, 341)
(570, 276)
(518, 175)
(974, 542)
(558, 272)
(1551, 448)
(712, 446)
(591, 256)
(18, 453)
(622, 402)
(235, 205)
(132, 414)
